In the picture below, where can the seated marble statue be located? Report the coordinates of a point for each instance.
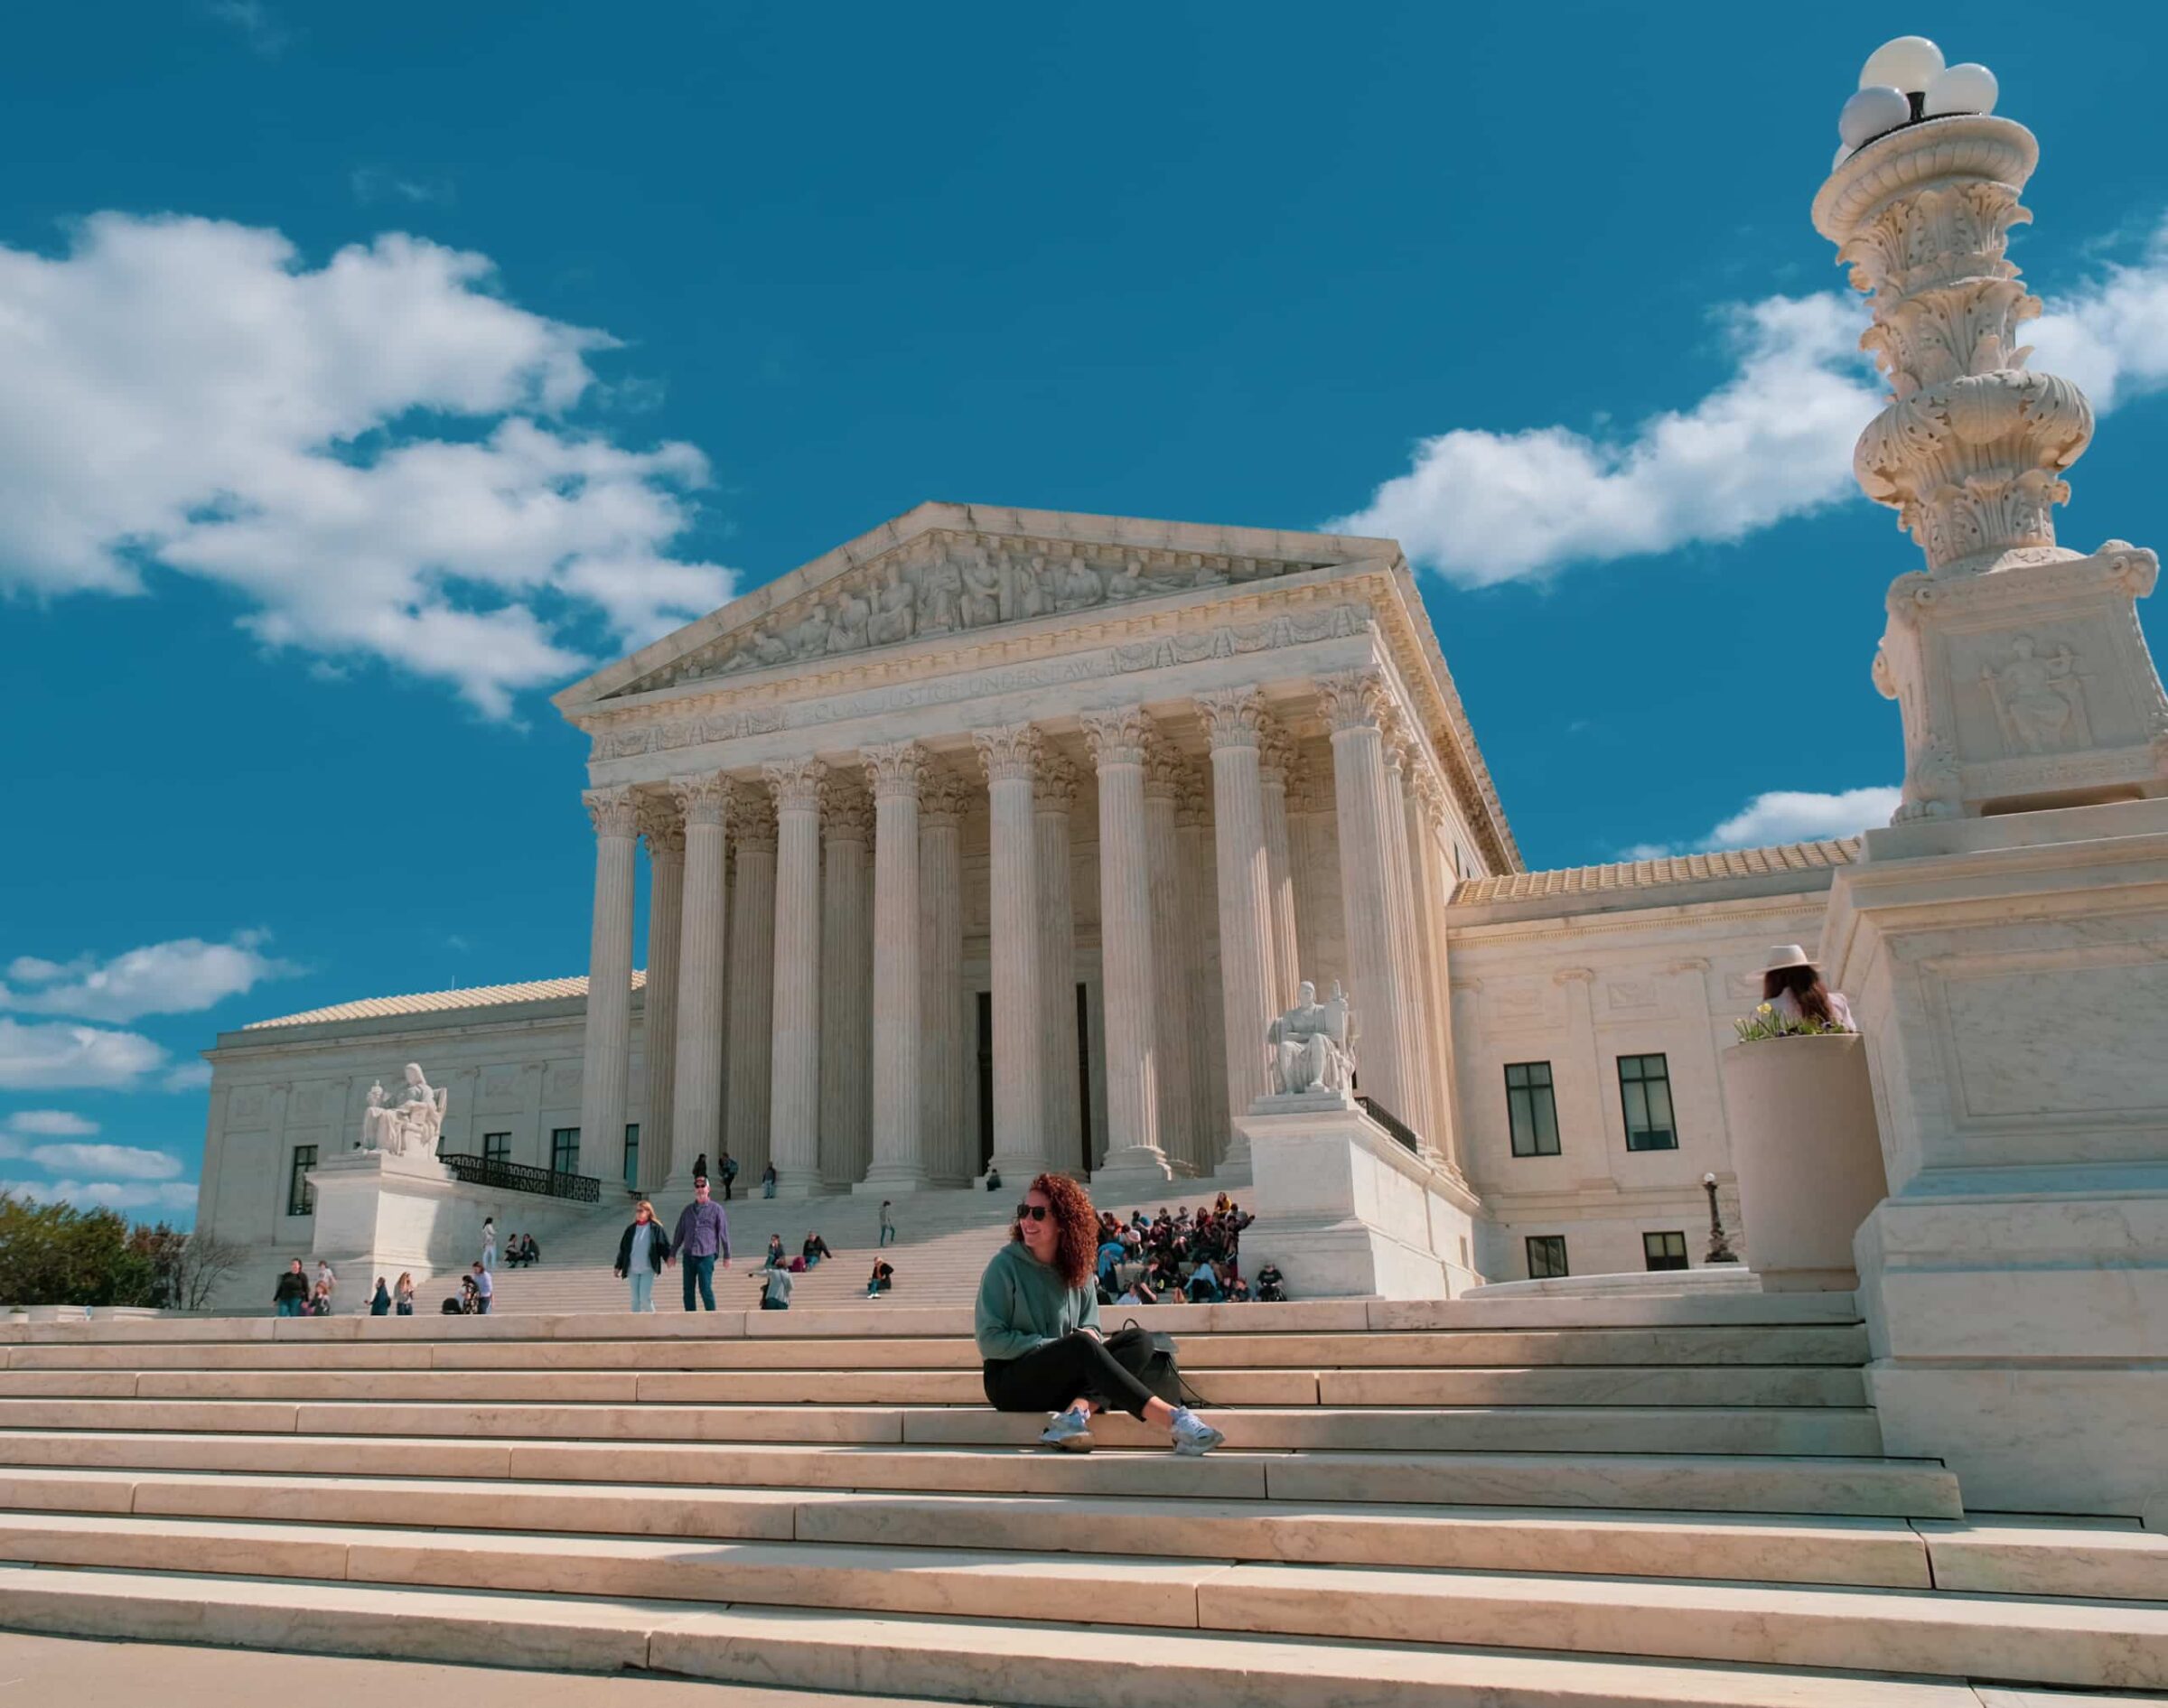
(412, 1121)
(1310, 1044)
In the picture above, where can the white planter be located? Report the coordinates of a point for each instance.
(1807, 1154)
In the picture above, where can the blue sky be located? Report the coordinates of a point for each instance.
(365, 372)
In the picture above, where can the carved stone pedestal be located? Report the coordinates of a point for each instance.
(1346, 1210)
(378, 1214)
(2011, 974)
(2026, 688)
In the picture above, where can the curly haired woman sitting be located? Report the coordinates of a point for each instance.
(1039, 1329)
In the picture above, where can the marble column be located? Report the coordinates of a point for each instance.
(1010, 756)
(1208, 1020)
(1431, 878)
(794, 1076)
(1356, 703)
(1274, 766)
(697, 1099)
(1235, 720)
(846, 985)
(663, 830)
(1174, 956)
(1400, 753)
(898, 1161)
(1135, 1160)
(1053, 797)
(941, 1078)
(750, 990)
(606, 1054)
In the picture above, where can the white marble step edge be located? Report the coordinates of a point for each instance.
(1069, 1666)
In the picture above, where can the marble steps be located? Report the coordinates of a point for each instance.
(898, 1383)
(1854, 1552)
(1783, 1346)
(1770, 1428)
(1071, 1665)
(2090, 1645)
(1620, 1481)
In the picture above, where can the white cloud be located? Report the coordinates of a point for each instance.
(52, 1124)
(1773, 441)
(122, 1162)
(189, 1076)
(58, 1056)
(259, 25)
(370, 454)
(142, 1195)
(179, 977)
(1787, 814)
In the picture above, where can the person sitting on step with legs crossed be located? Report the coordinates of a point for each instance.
(1038, 1329)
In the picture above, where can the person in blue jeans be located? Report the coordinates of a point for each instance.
(888, 1223)
(703, 1236)
(292, 1293)
(641, 1252)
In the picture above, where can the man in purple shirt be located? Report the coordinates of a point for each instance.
(702, 1235)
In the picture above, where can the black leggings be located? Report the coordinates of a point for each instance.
(1048, 1379)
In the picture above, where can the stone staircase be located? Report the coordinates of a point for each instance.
(944, 1240)
(1556, 1502)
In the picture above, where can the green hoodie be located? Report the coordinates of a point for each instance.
(1023, 1305)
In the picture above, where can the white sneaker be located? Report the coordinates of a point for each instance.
(1070, 1432)
(1193, 1437)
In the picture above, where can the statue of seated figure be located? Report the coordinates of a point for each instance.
(1310, 1044)
(413, 1121)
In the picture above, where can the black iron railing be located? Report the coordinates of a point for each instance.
(1391, 1121)
(516, 1177)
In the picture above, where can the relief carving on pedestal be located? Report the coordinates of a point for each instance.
(2039, 702)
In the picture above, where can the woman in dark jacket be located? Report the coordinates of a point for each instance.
(290, 1298)
(641, 1252)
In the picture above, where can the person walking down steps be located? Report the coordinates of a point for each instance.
(702, 1240)
(643, 1249)
(1038, 1329)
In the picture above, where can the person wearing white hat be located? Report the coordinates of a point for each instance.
(1793, 988)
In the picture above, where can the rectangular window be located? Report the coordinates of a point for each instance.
(1664, 1251)
(1645, 1088)
(301, 1197)
(633, 1154)
(497, 1147)
(565, 1150)
(1546, 1255)
(1531, 1108)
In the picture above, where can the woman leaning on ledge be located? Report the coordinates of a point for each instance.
(1792, 986)
(1039, 1329)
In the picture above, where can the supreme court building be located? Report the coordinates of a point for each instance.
(998, 836)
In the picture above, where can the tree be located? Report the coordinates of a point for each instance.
(187, 1268)
(54, 1253)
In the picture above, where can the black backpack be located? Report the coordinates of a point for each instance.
(1150, 1358)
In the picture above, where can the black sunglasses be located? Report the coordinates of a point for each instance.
(1032, 1212)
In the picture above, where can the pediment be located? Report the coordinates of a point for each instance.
(945, 569)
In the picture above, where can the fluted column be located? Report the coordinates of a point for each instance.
(1134, 1157)
(846, 985)
(898, 1161)
(1356, 703)
(1010, 756)
(696, 1099)
(1173, 956)
(1275, 762)
(606, 1055)
(1235, 720)
(663, 830)
(1208, 1017)
(1414, 1020)
(1433, 884)
(794, 1077)
(1053, 796)
(749, 1058)
(941, 1079)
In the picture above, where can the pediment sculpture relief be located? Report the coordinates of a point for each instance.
(946, 583)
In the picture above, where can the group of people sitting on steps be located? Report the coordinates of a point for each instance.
(1180, 1258)
(701, 1242)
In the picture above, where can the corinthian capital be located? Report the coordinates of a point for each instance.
(1009, 753)
(795, 783)
(849, 812)
(1054, 784)
(1233, 717)
(613, 810)
(703, 800)
(1118, 737)
(942, 797)
(1166, 773)
(752, 818)
(1276, 758)
(661, 827)
(897, 770)
(1354, 700)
